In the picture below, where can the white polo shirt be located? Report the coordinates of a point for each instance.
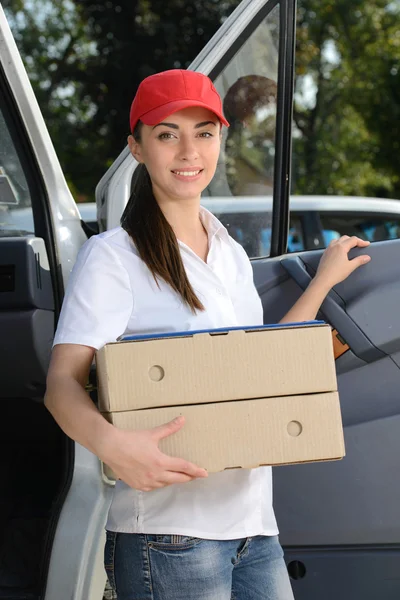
(112, 293)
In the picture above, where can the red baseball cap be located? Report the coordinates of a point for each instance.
(162, 94)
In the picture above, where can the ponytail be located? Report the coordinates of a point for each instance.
(154, 237)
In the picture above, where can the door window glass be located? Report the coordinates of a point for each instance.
(374, 228)
(240, 194)
(16, 216)
(346, 126)
(296, 235)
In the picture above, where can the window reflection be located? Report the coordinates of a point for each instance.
(245, 173)
(250, 107)
(374, 228)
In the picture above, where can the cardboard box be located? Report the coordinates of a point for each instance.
(215, 366)
(249, 433)
(255, 396)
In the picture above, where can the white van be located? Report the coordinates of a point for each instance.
(339, 522)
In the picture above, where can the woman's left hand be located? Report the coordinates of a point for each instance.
(335, 265)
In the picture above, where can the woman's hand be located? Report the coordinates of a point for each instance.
(135, 457)
(335, 265)
(333, 268)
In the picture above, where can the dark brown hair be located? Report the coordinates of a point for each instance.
(154, 237)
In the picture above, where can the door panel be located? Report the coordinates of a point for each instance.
(373, 292)
(26, 316)
(353, 573)
(339, 521)
(334, 310)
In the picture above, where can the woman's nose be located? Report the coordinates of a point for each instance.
(188, 150)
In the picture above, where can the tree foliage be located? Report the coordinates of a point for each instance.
(347, 109)
(55, 46)
(102, 52)
(86, 59)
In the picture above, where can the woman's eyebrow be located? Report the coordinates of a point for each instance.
(204, 123)
(175, 126)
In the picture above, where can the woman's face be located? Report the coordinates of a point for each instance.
(180, 153)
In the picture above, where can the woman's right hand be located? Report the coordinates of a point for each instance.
(134, 457)
(335, 265)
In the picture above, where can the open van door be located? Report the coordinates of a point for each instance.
(339, 521)
(53, 499)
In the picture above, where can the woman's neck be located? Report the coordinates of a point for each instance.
(184, 218)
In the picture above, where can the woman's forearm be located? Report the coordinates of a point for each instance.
(308, 305)
(77, 416)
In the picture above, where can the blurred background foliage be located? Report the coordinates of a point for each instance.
(347, 114)
(86, 59)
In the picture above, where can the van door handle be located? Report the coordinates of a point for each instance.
(334, 314)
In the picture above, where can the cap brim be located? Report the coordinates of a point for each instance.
(157, 115)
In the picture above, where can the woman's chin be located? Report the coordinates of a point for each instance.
(187, 191)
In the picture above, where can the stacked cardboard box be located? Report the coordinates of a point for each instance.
(256, 396)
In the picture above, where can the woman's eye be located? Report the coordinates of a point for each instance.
(165, 136)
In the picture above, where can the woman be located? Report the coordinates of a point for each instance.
(173, 533)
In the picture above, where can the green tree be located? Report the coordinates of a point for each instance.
(347, 98)
(134, 40)
(54, 45)
(86, 59)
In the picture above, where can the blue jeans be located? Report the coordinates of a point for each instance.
(175, 567)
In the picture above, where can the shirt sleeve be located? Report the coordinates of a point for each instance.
(98, 301)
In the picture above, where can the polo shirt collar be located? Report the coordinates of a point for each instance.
(212, 225)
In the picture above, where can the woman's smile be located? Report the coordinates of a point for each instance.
(188, 174)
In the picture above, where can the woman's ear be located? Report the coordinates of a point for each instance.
(135, 149)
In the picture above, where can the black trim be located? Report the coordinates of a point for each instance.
(90, 229)
(283, 140)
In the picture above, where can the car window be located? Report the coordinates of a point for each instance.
(374, 228)
(248, 87)
(345, 128)
(16, 216)
(296, 235)
(242, 226)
